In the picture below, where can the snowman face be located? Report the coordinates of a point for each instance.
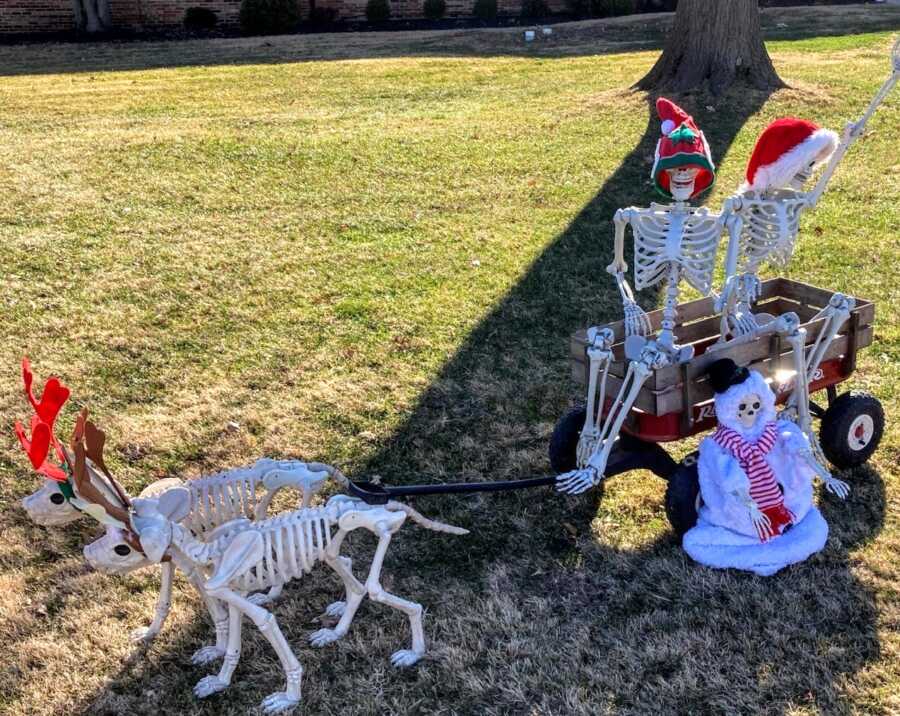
(749, 409)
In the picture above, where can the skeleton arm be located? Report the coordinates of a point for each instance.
(636, 320)
(853, 130)
(740, 291)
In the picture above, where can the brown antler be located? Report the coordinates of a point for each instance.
(83, 485)
(95, 439)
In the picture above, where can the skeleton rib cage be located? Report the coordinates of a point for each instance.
(219, 498)
(663, 238)
(770, 227)
(293, 543)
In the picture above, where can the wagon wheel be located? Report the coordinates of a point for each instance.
(683, 495)
(851, 429)
(564, 441)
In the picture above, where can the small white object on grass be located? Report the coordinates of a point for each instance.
(529, 35)
(547, 31)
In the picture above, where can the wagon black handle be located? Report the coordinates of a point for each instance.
(377, 494)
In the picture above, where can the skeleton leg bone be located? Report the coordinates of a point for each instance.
(798, 410)
(218, 682)
(591, 473)
(355, 593)
(163, 604)
(403, 657)
(268, 627)
(599, 354)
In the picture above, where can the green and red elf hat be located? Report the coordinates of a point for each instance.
(682, 145)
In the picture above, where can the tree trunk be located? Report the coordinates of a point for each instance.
(714, 43)
(92, 15)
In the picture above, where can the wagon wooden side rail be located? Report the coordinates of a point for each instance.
(676, 401)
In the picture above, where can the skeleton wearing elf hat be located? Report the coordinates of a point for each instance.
(756, 482)
(673, 242)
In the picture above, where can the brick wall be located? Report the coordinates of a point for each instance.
(34, 16)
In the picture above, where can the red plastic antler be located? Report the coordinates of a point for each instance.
(38, 447)
(53, 397)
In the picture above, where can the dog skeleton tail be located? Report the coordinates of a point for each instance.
(332, 471)
(423, 521)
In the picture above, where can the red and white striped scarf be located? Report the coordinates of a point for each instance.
(764, 490)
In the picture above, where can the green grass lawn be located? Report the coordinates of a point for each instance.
(371, 250)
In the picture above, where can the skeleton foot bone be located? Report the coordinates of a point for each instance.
(405, 657)
(207, 654)
(143, 634)
(323, 637)
(209, 685)
(277, 703)
(335, 609)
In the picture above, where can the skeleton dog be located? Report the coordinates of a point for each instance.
(242, 556)
(215, 500)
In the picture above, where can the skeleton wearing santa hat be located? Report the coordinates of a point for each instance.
(768, 210)
(756, 481)
(672, 242)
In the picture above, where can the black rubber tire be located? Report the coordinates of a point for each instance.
(681, 495)
(835, 431)
(564, 441)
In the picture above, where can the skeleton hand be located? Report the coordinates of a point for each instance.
(836, 487)
(760, 521)
(637, 322)
(578, 481)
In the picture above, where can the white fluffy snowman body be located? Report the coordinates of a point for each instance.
(722, 479)
(726, 535)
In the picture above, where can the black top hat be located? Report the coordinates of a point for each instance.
(724, 373)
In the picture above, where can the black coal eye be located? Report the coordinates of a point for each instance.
(123, 550)
(57, 499)
(742, 406)
(756, 406)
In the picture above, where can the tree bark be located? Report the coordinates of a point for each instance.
(714, 44)
(92, 15)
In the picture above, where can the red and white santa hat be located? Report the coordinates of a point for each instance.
(785, 147)
(682, 145)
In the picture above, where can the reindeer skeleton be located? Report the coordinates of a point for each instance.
(241, 556)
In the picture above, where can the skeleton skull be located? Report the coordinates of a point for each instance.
(748, 410)
(803, 176)
(48, 506)
(681, 182)
(111, 553)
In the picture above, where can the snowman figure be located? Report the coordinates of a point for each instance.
(756, 482)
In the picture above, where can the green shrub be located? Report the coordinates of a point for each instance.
(434, 9)
(485, 9)
(200, 18)
(534, 9)
(269, 17)
(378, 11)
(610, 8)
